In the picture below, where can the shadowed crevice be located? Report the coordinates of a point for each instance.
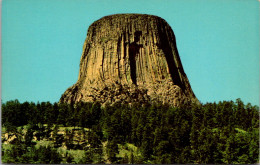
(166, 48)
(133, 52)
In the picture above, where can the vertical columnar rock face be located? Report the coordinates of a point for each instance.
(130, 58)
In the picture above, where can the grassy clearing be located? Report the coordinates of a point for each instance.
(127, 149)
(77, 154)
(44, 143)
(240, 130)
(71, 128)
(6, 147)
(3, 130)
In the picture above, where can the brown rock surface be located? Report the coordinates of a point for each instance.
(128, 58)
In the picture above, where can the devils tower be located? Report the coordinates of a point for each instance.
(130, 58)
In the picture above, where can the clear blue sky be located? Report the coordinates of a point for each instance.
(218, 43)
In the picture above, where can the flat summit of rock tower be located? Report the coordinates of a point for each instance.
(130, 58)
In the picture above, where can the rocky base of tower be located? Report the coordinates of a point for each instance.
(113, 93)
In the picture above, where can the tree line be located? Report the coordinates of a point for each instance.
(223, 132)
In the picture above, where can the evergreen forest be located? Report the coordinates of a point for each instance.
(85, 133)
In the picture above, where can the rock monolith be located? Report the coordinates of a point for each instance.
(130, 58)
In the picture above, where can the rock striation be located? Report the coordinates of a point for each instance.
(130, 58)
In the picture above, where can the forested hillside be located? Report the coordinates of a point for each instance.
(224, 132)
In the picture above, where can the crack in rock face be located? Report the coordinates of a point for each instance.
(130, 58)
